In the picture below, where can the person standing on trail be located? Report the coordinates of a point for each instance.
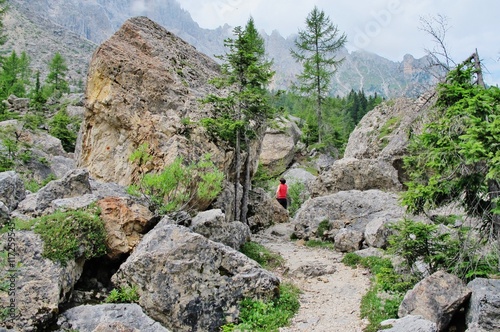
(282, 192)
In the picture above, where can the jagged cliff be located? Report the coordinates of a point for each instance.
(75, 27)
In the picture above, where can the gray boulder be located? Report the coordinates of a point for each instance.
(278, 146)
(264, 211)
(377, 233)
(74, 184)
(189, 283)
(408, 323)
(108, 317)
(358, 174)
(38, 286)
(12, 190)
(348, 240)
(355, 209)
(212, 224)
(483, 313)
(436, 298)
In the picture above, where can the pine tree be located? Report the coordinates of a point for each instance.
(315, 49)
(245, 110)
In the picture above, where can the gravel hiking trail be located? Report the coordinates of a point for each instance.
(331, 292)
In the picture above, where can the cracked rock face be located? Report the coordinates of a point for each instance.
(143, 85)
(190, 283)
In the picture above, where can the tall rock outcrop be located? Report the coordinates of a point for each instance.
(144, 86)
(373, 158)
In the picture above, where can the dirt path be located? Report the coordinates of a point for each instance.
(331, 291)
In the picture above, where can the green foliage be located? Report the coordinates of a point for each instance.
(297, 195)
(456, 253)
(388, 288)
(124, 294)
(457, 156)
(65, 128)
(14, 75)
(66, 234)
(324, 226)
(377, 308)
(56, 79)
(267, 316)
(141, 155)
(33, 185)
(13, 152)
(262, 255)
(351, 259)
(387, 129)
(315, 49)
(179, 187)
(340, 116)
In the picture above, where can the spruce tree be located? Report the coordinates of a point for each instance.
(244, 111)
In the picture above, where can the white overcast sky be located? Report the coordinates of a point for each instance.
(389, 28)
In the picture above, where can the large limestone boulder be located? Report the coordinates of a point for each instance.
(278, 147)
(483, 313)
(144, 86)
(351, 209)
(189, 283)
(358, 174)
(107, 318)
(36, 285)
(384, 131)
(436, 298)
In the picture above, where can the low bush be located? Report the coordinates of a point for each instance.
(266, 316)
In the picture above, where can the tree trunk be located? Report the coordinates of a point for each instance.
(237, 172)
(246, 182)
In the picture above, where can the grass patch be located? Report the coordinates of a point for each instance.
(320, 244)
(388, 288)
(262, 255)
(127, 294)
(377, 308)
(387, 129)
(267, 316)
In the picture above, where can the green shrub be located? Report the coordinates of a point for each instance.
(262, 255)
(323, 227)
(377, 308)
(458, 253)
(68, 235)
(125, 294)
(296, 192)
(257, 315)
(351, 259)
(178, 186)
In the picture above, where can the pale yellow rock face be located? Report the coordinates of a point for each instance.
(143, 86)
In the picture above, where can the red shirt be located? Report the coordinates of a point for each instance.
(282, 191)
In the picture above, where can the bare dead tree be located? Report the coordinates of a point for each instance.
(441, 61)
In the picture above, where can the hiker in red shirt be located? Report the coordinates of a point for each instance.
(281, 193)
